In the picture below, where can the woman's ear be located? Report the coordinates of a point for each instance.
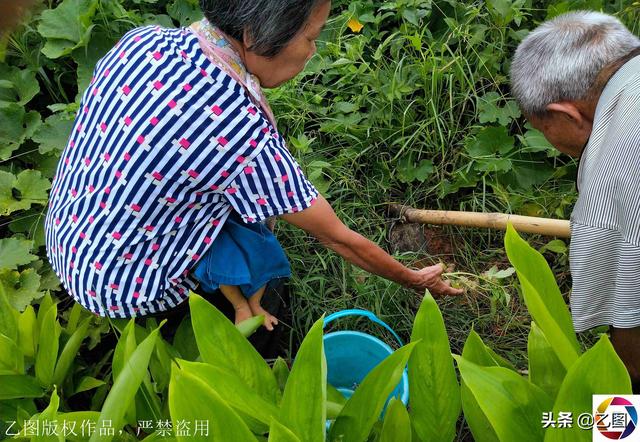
(247, 40)
(568, 110)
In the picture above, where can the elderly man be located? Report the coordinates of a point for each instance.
(577, 80)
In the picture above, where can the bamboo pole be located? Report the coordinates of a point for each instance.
(528, 224)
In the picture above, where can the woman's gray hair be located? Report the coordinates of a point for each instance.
(271, 24)
(560, 60)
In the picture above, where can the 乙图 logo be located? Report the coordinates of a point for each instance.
(616, 418)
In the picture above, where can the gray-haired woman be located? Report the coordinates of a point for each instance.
(175, 159)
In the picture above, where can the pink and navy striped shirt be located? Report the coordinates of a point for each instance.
(164, 146)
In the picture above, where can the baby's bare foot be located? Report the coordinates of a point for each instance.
(269, 320)
(243, 312)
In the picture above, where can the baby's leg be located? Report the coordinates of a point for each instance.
(256, 308)
(239, 302)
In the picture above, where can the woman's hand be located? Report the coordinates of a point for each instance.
(321, 221)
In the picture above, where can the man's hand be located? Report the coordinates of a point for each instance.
(430, 278)
(321, 221)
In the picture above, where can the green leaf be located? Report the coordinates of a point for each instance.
(15, 252)
(15, 126)
(47, 354)
(221, 344)
(397, 425)
(489, 141)
(534, 141)
(32, 187)
(67, 26)
(545, 369)
(191, 399)
(19, 386)
(125, 348)
(70, 351)
(53, 134)
(363, 409)
(249, 326)
(125, 387)
(433, 386)
(236, 393)
(511, 404)
(86, 57)
(27, 332)
(49, 415)
(280, 433)
(281, 372)
(184, 341)
(22, 86)
(8, 322)
(307, 382)
(87, 383)
(598, 371)
(21, 288)
(185, 11)
(490, 111)
(542, 297)
(11, 358)
(408, 171)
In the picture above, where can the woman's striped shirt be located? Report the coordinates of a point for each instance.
(164, 146)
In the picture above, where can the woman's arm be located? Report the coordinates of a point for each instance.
(321, 221)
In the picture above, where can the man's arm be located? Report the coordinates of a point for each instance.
(321, 221)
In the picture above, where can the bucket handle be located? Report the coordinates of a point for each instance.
(359, 312)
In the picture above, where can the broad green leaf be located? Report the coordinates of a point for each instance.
(334, 395)
(19, 386)
(191, 399)
(511, 403)
(21, 288)
(598, 371)
(23, 85)
(545, 369)
(249, 326)
(125, 348)
(53, 134)
(76, 420)
(185, 11)
(363, 409)
(8, 322)
(27, 332)
(32, 187)
(433, 386)
(542, 297)
(47, 354)
(233, 389)
(87, 383)
(281, 372)
(87, 56)
(184, 341)
(15, 252)
(397, 424)
(49, 415)
(307, 384)
(31, 224)
(69, 352)
(67, 26)
(490, 140)
(477, 352)
(280, 433)
(125, 387)
(11, 358)
(490, 111)
(221, 344)
(15, 126)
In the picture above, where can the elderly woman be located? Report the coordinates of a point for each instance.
(175, 161)
(577, 79)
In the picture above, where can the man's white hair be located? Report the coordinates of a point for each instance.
(560, 59)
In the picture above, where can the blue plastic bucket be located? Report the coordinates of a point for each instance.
(351, 355)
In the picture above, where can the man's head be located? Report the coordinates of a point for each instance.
(555, 70)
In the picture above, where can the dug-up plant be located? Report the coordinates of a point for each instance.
(242, 398)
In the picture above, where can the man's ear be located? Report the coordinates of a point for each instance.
(568, 109)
